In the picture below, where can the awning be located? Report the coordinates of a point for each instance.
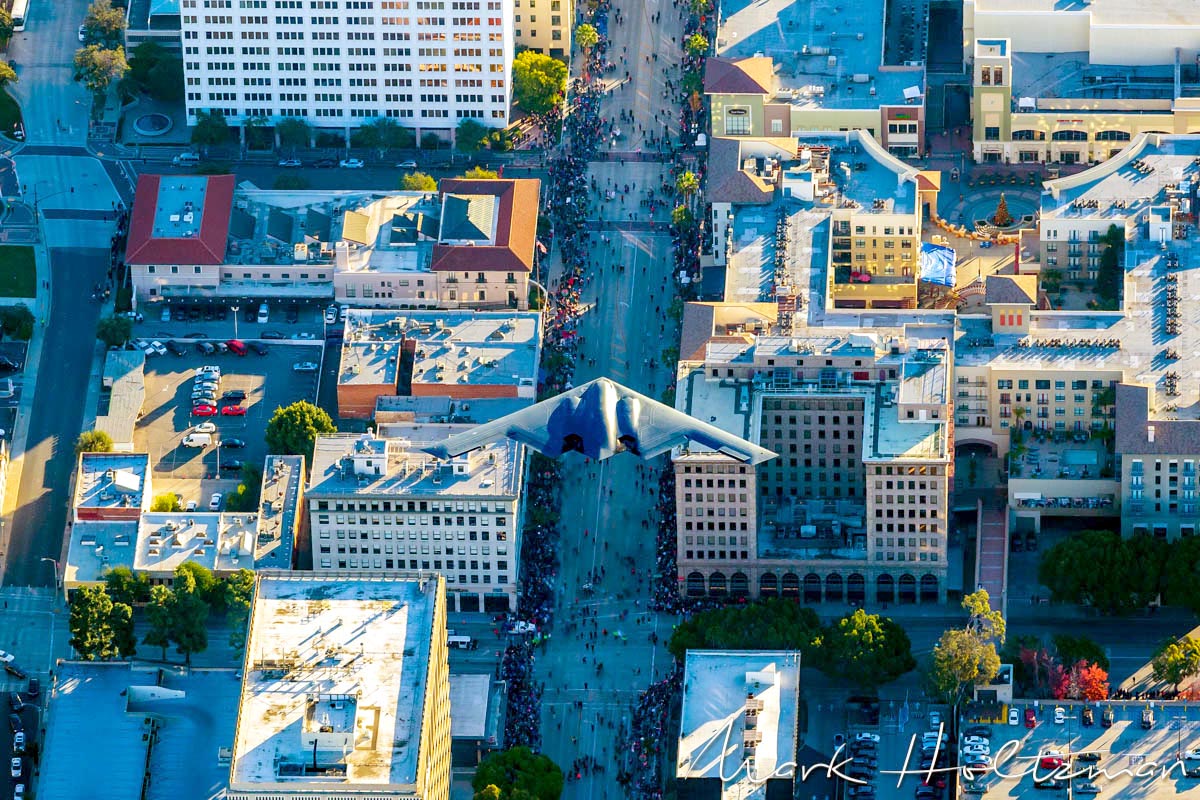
(1027, 495)
(937, 264)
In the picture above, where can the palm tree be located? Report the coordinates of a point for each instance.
(687, 184)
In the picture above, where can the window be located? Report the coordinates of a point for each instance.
(991, 134)
(737, 122)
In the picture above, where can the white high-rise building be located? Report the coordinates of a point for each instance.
(338, 64)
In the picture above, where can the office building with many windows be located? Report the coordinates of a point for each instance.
(338, 64)
(386, 505)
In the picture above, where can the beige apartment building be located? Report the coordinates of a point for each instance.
(384, 505)
(855, 506)
(1075, 82)
(544, 26)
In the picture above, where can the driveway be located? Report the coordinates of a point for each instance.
(43, 56)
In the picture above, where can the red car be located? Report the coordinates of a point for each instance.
(1030, 718)
(204, 411)
(1051, 762)
(233, 411)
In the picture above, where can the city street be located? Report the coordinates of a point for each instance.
(55, 108)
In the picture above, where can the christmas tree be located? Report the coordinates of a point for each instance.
(1002, 218)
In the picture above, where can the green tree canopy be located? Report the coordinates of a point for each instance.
(293, 429)
(1182, 579)
(686, 183)
(90, 623)
(987, 623)
(103, 24)
(189, 609)
(696, 45)
(114, 331)
(1073, 649)
(418, 182)
(7, 74)
(165, 502)
(96, 68)
(586, 36)
(93, 442)
(124, 587)
(143, 58)
(199, 578)
(481, 174)
(165, 80)
(6, 23)
(867, 649)
(771, 624)
(159, 617)
(246, 496)
(211, 128)
(120, 622)
(293, 132)
(961, 660)
(286, 180)
(239, 590)
(470, 136)
(1176, 661)
(17, 321)
(519, 774)
(1101, 569)
(682, 217)
(538, 81)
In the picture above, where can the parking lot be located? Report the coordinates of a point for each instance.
(1136, 761)
(268, 381)
(194, 318)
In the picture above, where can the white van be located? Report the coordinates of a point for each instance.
(197, 440)
(185, 158)
(264, 313)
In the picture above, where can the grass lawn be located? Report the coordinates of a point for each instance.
(10, 113)
(18, 275)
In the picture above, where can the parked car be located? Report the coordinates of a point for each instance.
(234, 394)
(977, 750)
(935, 720)
(1192, 772)
(166, 314)
(260, 348)
(158, 347)
(206, 427)
(15, 723)
(289, 162)
(1106, 718)
(982, 731)
(236, 346)
(205, 348)
(351, 163)
(1030, 718)
(190, 505)
(233, 465)
(1060, 715)
(305, 366)
(293, 314)
(6, 658)
(867, 737)
(1016, 545)
(19, 742)
(307, 335)
(839, 740)
(409, 164)
(14, 768)
(233, 411)
(14, 701)
(1147, 718)
(214, 502)
(82, 33)
(272, 335)
(175, 348)
(204, 411)
(19, 792)
(208, 369)
(233, 443)
(1014, 716)
(969, 741)
(1050, 783)
(973, 787)
(1086, 787)
(1031, 542)
(1087, 717)
(325, 163)
(1050, 762)
(331, 315)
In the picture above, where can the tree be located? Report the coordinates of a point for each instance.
(17, 321)
(143, 59)
(159, 615)
(189, 609)
(1002, 218)
(124, 587)
(1092, 680)
(166, 502)
(986, 623)
(211, 128)
(293, 429)
(239, 590)
(1109, 276)
(481, 174)
(699, 7)
(381, 134)
(91, 634)
(114, 331)
(246, 496)
(1183, 574)
(293, 132)
(165, 80)
(696, 45)
(489, 792)
(418, 182)
(586, 36)
(687, 184)
(1100, 569)
(868, 649)
(199, 578)
(7, 74)
(682, 217)
(287, 181)
(120, 622)
(771, 624)
(1176, 661)
(96, 68)
(519, 774)
(104, 24)
(470, 136)
(431, 141)
(538, 82)
(93, 442)
(1073, 649)
(961, 660)
(6, 23)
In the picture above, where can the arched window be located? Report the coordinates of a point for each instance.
(1070, 136)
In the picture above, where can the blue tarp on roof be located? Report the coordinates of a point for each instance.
(937, 264)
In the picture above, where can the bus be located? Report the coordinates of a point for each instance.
(20, 10)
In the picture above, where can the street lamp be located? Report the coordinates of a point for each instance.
(57, 581)
(235, 310)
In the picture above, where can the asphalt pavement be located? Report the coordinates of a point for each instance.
(55, 108)
(37, 525)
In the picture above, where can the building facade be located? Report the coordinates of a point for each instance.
(339, 65)
(385, 505)
(545, 26)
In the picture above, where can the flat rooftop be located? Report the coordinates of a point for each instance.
(124, 391)
(469, 697)
(336, 670)
(111, 480)
(827, 53)
(387, 232)
(278, 512)
(97, 724)
(1104, 12)
(722, 689)
(402, 409)
(1053, 80)
(1152, 170)
(358, 464)
(220, 542)
(451, 348)
(180, 207)
(96, 546)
